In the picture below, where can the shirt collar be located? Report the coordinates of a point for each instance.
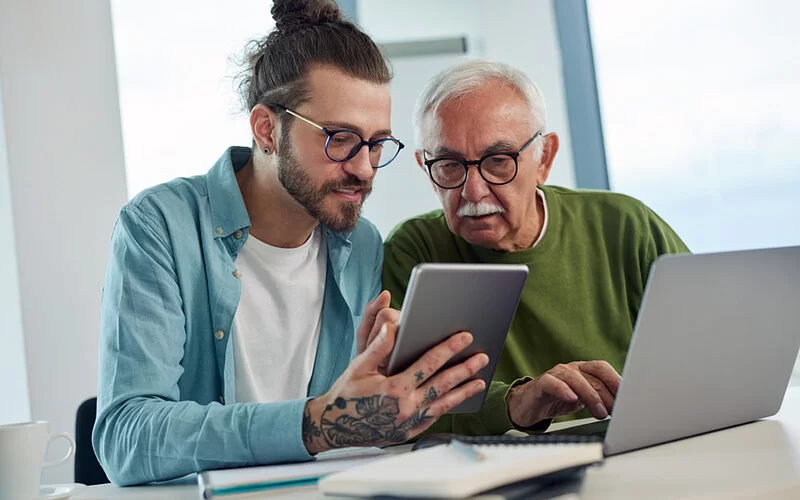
(224, 197)
(540, 194)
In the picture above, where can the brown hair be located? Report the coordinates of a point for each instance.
(307, 33)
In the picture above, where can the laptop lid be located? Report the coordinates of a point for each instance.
(714, 346)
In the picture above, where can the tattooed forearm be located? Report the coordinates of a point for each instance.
(367, 422)
(430, 396)
(311, 431)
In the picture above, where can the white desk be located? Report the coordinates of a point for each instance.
(758, 460)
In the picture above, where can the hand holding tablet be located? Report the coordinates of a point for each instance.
(443, 299)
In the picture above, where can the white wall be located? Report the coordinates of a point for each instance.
(518, 32)
(392, 21)
(67, 183)
(523, 33)
(13, 377)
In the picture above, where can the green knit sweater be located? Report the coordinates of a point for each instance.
(586, 279)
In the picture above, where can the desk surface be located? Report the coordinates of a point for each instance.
(757, 460)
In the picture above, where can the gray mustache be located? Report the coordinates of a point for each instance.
(478, 209)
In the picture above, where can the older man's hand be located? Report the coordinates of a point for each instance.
(565, 389)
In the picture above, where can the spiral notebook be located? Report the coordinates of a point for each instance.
(459, 470)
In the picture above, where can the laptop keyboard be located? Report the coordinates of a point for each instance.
(437, 439)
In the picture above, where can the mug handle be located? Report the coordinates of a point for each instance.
(53, 437)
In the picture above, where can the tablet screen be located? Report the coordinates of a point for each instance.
(443, 299)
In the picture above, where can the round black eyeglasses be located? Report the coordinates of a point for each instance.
(342, 144)
(495, 168)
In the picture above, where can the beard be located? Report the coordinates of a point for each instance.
(301, 187)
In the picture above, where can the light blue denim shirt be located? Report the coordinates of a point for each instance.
(166, 390)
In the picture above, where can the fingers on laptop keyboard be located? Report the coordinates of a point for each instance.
(587, 393)
(603, 371)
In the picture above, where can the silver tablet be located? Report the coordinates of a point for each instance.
(443, 299)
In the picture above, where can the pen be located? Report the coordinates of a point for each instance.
(467, 450)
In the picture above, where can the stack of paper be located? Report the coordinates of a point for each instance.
(227, 482)
(447, 472)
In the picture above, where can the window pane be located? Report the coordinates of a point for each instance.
(701, 115)
(175, 63)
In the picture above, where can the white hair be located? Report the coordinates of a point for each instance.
(460, 79)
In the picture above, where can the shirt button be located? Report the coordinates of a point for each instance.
(238, 234)
(219, 230)
(237, 273)
(219, 334)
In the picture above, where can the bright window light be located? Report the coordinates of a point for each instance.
(175, 63)
(701, 115)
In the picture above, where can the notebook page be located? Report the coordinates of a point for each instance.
(442, 472)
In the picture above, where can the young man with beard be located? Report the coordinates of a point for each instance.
(232, 299)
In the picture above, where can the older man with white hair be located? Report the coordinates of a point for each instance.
(588, 252)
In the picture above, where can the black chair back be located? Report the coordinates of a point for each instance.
(87, 469)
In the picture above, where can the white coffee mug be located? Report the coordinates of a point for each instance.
(22, 451)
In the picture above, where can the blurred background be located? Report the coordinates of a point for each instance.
(689, 106)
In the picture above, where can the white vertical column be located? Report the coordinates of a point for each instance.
(13, 376)
(67, 182)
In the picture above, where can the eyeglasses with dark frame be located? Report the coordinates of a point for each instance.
(343, 144)
(495, 168)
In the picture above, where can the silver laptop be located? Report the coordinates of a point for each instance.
(713, 347)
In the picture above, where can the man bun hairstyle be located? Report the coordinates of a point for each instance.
(293, 14)
(307, 33)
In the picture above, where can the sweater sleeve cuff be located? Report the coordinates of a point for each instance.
(276, 433)
(539, 426)
(495, 417)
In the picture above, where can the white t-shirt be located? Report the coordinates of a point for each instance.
(540, 194)
(277, 324)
